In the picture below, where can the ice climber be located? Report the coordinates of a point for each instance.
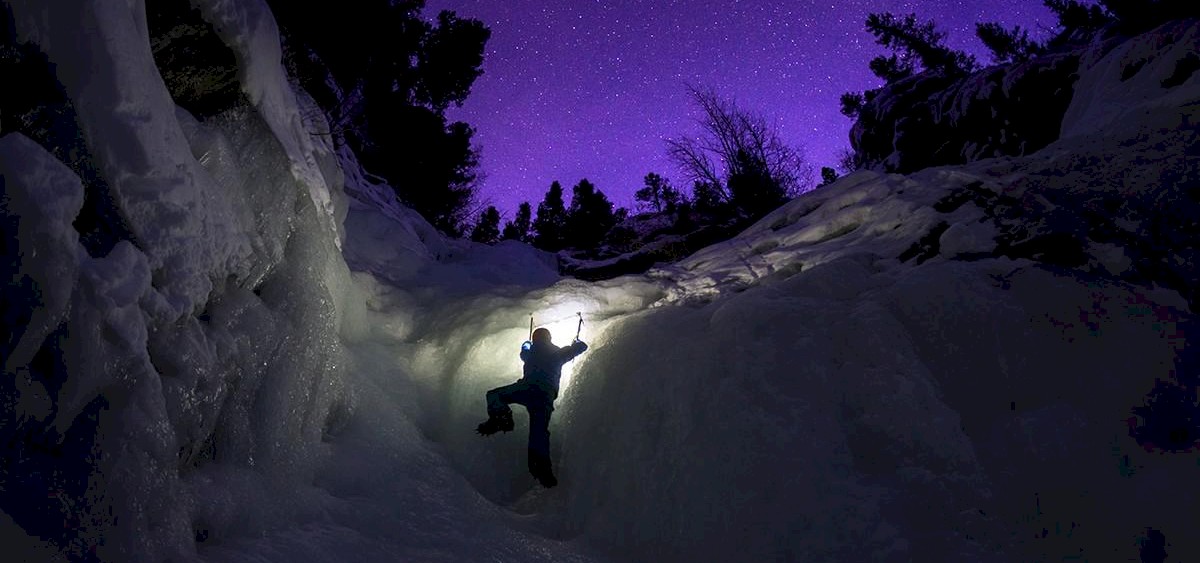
(537, 391)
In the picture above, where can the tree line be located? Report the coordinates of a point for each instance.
(917, 46)
(384, 75)
(739, 167)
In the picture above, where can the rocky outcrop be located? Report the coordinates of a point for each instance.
(932, 120)
(1012, 109)
(199, 70)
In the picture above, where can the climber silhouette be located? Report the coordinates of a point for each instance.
(536, 390)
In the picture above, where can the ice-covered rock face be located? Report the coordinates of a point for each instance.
(199, 70)
(1016, 108)
(929, 120)
(1115, 196)
(199, 341)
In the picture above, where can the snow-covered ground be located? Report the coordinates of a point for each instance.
(285, 366)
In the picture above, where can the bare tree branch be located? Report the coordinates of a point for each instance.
(737, 143)
(693, 158)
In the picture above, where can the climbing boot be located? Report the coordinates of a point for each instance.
(496, 422)
(539, 467)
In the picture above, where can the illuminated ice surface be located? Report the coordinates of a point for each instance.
(285, 366)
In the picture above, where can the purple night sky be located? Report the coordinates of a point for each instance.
(590, 89)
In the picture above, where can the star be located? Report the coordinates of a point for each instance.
(575, 90)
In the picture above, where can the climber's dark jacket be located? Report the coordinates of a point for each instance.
(544, 362)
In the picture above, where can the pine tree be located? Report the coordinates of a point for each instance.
(384, 75)
(590, 216)
(891, 69)
(671, 198)
(549, 226)
(487, 229)
(1138, 16)
(752, 189)
(707, 199)
(1007, 45)
(852, 104)
(1075, 16)
(518, 228)
(658, 194)
(916, 45)
(828, 176)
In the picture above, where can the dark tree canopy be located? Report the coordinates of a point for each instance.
(1078, 21)
(550, 225)
(518, 228)
(890, 68)
(384, 77)
(752, 187)
(657, 194)
(450, 61)
(434, 173)
(590, 217)
(828, 176)
(1074, 15)
(852, 104)
(916, 45)
(1007, 45)
(1137, 16)
(707, 198)
(487, 228)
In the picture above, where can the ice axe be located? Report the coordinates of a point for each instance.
(529, 343)
(579, 328)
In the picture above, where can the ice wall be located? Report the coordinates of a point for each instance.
(888, 369)
(186, 378)
(935, 367)
(803, 393)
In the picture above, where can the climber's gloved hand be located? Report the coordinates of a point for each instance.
(526, 345)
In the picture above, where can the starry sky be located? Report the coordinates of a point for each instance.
(590, 89)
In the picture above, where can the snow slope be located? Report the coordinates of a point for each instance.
(283, 365)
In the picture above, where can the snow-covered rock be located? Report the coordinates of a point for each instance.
(205, 341)
(931, 120)
(1114, 97)
(1018, 108)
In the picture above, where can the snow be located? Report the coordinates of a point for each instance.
(291, 366)
(47, 196)
(1109, 103)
